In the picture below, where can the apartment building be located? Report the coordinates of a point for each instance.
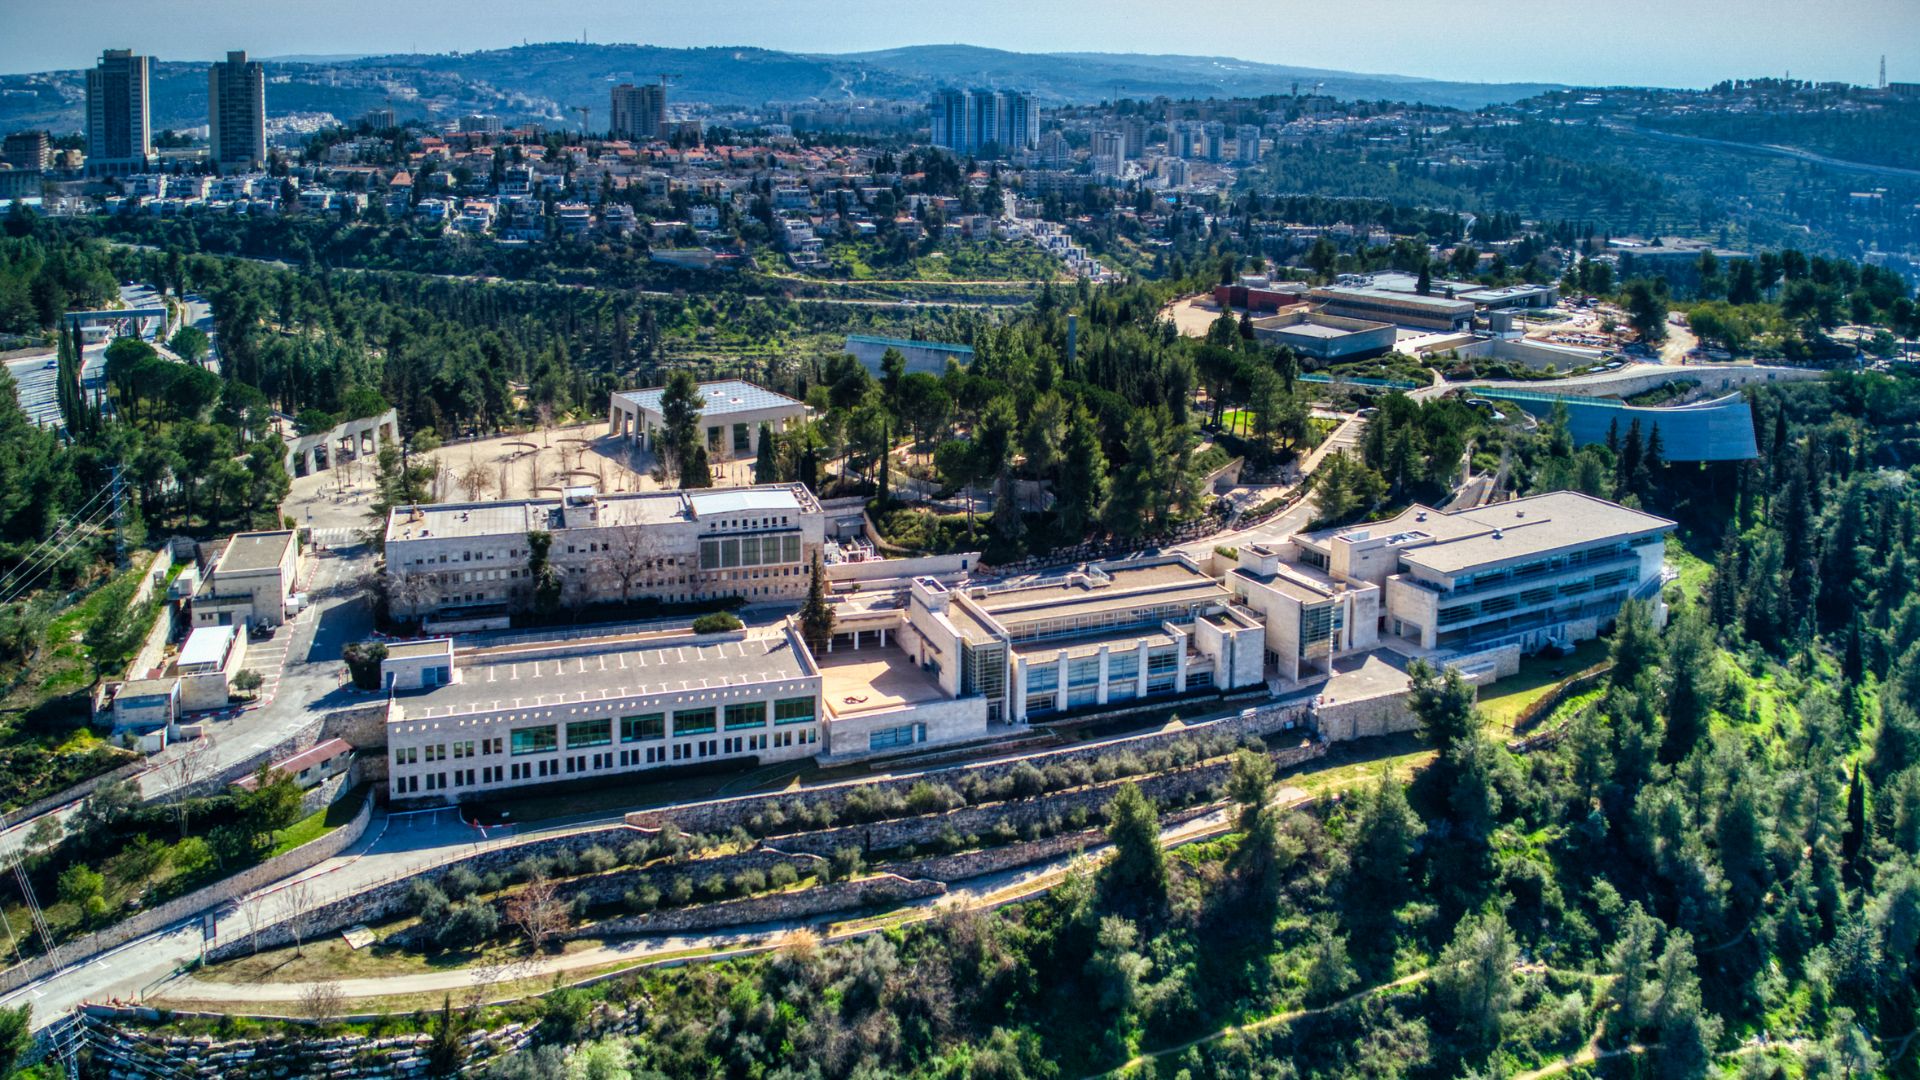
(503, 718)
(1547, 569)
(119, 129)
(450, 562)
(28, 150)
(639, 112)
(237, 113)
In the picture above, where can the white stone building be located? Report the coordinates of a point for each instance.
(489, 720)
(731, 417)
(451, 561)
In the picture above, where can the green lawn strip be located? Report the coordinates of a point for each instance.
(1504, 701)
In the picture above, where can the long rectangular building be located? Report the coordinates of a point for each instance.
(461, 561)
(495, 719)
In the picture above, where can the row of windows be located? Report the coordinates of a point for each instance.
(576, 764)
(647, 727)
(737, 551)
(889, 737)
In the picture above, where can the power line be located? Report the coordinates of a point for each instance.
(21, 583)
(55, 537)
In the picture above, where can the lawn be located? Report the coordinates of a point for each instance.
(1695, 573)
(1504, 701)
(320, 822)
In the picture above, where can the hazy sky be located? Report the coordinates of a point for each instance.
(1654, 42)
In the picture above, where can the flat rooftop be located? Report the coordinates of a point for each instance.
(206, 645)
(1378, 673)
(1149, 584)
(858, 681)
(1522, 528)
(518, 516)
(519, 678)
(413, 650)
(254, 551)
(1298, 581)
(1088, 644)
(1313, 330)
(1376, 295)
(722, 396)
(1535, 526)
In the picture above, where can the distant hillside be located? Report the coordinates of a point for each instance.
(1081, 77)
(543, 82)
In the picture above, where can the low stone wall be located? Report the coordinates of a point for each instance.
(388, 899)
(321, 795)
(305, 737)
(196, 902)
(125, 1048)
(835, 899)
(1176, 788)
(612, 887)
(1384, 714)
(721, 815)
(73, 794)
(970, 864)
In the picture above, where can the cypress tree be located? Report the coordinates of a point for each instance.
(816, 615)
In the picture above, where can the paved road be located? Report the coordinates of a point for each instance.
(301, 662)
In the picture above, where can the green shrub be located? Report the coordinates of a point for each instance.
(718, 622)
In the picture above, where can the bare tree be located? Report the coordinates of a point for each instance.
(537, 912)
(474, 479)
(192, 765)
(296, 907)
(254, 911)
(629, 553)
(503, 477)
(322, 1002)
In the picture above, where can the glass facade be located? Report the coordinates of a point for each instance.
(643, 728)
(693, 722)
(535, 740)
(729, 552)
(749, 714)
(589, 733)
(793, 711)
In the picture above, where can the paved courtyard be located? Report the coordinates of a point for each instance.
(514, 466)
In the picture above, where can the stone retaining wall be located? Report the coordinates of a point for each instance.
(1175, 788)
(196, 902)
(835, 899)
(969, 864)
(612, 887)
(127, 1049)
(721, 815)
(73, 794)
(388, 899)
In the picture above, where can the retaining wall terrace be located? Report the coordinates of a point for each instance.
(837, 898)
(612, 887)
(122, 1047)
(388, 899)
(720, 815)
(1169, 788)
(193, 903)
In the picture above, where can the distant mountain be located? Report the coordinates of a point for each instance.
(545, 82)
(1082, 77)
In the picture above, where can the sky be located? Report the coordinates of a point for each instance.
(1591, 42)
